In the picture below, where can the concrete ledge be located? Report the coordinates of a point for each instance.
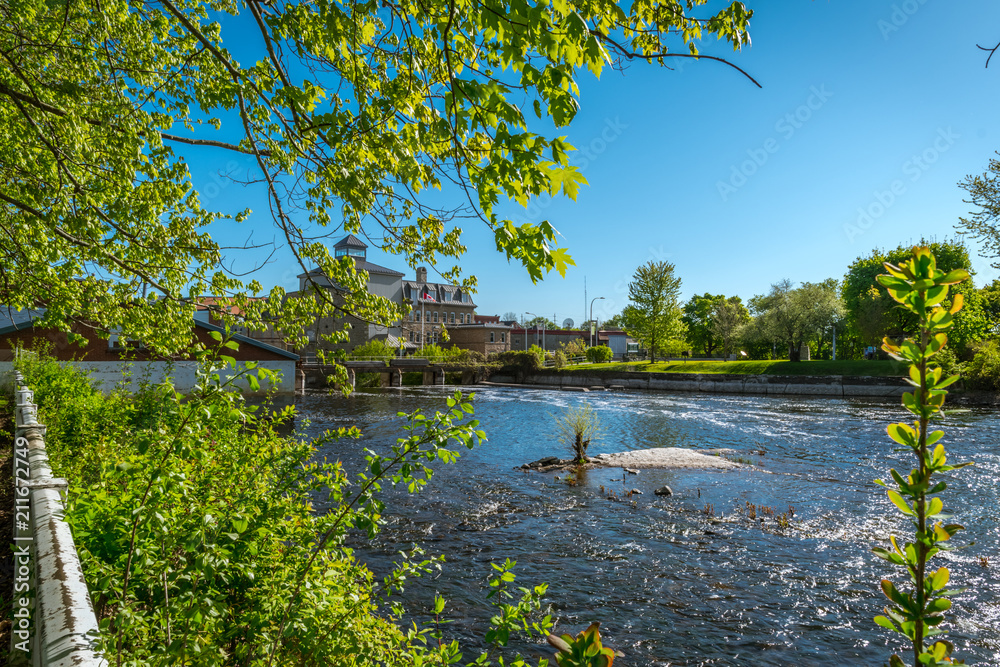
(837, 386)
(55, 623)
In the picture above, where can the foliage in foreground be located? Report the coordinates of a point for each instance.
(342, 115)
(198, 528)
(920, 287)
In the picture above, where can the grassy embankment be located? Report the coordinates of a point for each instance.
(849, 367)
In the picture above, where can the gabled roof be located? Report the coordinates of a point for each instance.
(27, 319)
(350, 241)
(12, 320)
(361, 265)
(253, 342)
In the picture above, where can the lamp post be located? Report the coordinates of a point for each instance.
(592, 327)
(526, 330)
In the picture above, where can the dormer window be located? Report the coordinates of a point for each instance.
(349, 252)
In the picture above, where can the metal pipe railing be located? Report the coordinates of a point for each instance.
(54, 621)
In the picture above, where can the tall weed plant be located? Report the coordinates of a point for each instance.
(917, 610)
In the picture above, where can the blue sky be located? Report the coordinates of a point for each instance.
(870, 113)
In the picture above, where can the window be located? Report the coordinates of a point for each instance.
(418, 338)
(491, 337)
(435, 317)
(451, 318)
(411, 336)
(417, 314)
(503, 338)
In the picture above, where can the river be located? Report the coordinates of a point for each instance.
(689, 579)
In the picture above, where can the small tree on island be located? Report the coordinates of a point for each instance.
(580, 426)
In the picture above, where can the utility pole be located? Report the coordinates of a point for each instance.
(592, 327)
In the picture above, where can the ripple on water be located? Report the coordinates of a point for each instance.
(690, 579)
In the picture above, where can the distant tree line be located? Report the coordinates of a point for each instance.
(794, 317)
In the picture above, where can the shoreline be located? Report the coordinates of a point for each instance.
(831, 386)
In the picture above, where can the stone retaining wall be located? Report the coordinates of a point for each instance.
(838, 386)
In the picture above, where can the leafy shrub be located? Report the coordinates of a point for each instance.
(462, 356)
(559, 359)
(538, 352)
(983, 372)
(517, 363)
(433, 352)
(575, 348)
(376, 348)
(193, 519)
(600, 354)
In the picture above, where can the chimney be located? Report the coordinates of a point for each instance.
(421, 274)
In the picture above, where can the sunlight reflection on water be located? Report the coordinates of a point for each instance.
(672, 581)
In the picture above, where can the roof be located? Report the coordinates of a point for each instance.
(350, 241)
(361, 265)
(219, 302)
(253, 342)
(12, 320)
(481, 325)
(27, 318)
(393, 341)
(443, 287)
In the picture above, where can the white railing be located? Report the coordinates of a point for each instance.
(54, 621)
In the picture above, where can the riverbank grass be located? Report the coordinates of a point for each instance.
(718, 366)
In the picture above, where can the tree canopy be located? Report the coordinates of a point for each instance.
(792, 315)
(872, 314)
(982, 223)
(729, 318)
(698, 312)
(347, 113)
(654, 316)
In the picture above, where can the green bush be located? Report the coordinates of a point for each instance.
(539, 354)
(983, 372)
(194, 521)
(518, 363)
(575, 348)
(374, 349)
(462, 356)
(559, 359)
(600, 354)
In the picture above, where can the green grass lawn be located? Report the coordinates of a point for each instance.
(850, 367)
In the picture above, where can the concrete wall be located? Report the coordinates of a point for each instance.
(110, 374)
(769, 385)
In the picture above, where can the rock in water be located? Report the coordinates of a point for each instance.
(664, 491)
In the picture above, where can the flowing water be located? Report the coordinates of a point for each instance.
(689, 579)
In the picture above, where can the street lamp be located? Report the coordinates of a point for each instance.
(526, 330)
(592, 327)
